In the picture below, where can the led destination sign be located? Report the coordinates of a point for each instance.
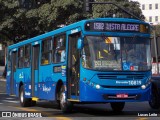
(115, 27)
(110, 26)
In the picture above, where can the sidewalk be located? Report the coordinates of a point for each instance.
(1, 73)
(2, 78)
(2, 85)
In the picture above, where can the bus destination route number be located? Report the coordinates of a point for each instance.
(103, 26)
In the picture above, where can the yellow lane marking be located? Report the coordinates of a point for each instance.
(3, 93)
(62, 118)
(44, 113)
(12, 95)
(27, 109)
(73, 100)
(35, 99)
(142, 118)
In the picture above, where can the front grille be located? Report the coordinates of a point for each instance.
(120, 87)
(102, 76)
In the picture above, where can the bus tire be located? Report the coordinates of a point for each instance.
(117, 106)
(65, 105)
(24, 102)
(33, 103)
(155, 99)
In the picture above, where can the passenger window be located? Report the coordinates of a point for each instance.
(27, 55)
(9, 61)
(20, 57)
(59, 49)
(46, 51)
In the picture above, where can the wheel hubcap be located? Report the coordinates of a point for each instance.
(63, 99)
(22, 97)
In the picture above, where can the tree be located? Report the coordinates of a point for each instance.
(9, 16)
(57, 12)
(108, 10)
(29, 20)
(20, 21)
(157, 29)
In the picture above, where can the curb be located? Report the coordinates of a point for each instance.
(3, 93)
(3, 80)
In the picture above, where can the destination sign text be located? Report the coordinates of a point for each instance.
(109, 26)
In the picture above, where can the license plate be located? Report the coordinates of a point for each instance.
(122, 95)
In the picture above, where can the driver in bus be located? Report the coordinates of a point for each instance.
(107, 54)
(62, 54)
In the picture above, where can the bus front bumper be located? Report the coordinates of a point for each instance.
(91, 94)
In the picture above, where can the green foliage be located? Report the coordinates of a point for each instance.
(20, 23)
(157, 29)
(8, 11)
(108, 10)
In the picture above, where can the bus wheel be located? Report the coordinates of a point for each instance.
(117, 106)
(155, 100)
(65, 105)
(33, 103)
(25, 102)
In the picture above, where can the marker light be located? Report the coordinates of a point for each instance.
(144, 28)
(92, 84)
(97, 86)
(143, 87)
(146, 85)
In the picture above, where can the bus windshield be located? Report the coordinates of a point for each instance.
(116, 53)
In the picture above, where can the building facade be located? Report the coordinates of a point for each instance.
(151, 10)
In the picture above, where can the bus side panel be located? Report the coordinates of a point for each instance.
(18, 77)
(27, 82)
(14, 84)
(23, 75)
(36, 93)
(46, 84)
(8, 78)
(47, 90)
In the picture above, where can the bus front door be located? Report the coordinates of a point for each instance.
(35, 70)
(73, 68)
(13, 72)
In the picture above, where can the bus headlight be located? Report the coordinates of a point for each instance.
(143, 87)
(94, 85)
(98, 86)
(147, 83)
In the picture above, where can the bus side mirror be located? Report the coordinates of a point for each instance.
(80, 44)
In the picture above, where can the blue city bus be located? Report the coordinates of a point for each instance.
(103, 60)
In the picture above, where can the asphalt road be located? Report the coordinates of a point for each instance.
(132, 111)
(2, 85)
(96, 111)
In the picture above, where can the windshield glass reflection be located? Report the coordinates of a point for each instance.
(116, 53)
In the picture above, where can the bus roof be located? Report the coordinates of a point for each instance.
(72, 26)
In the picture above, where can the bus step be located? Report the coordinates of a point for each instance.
(12, 95)
(73, 100)
(34, 99)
